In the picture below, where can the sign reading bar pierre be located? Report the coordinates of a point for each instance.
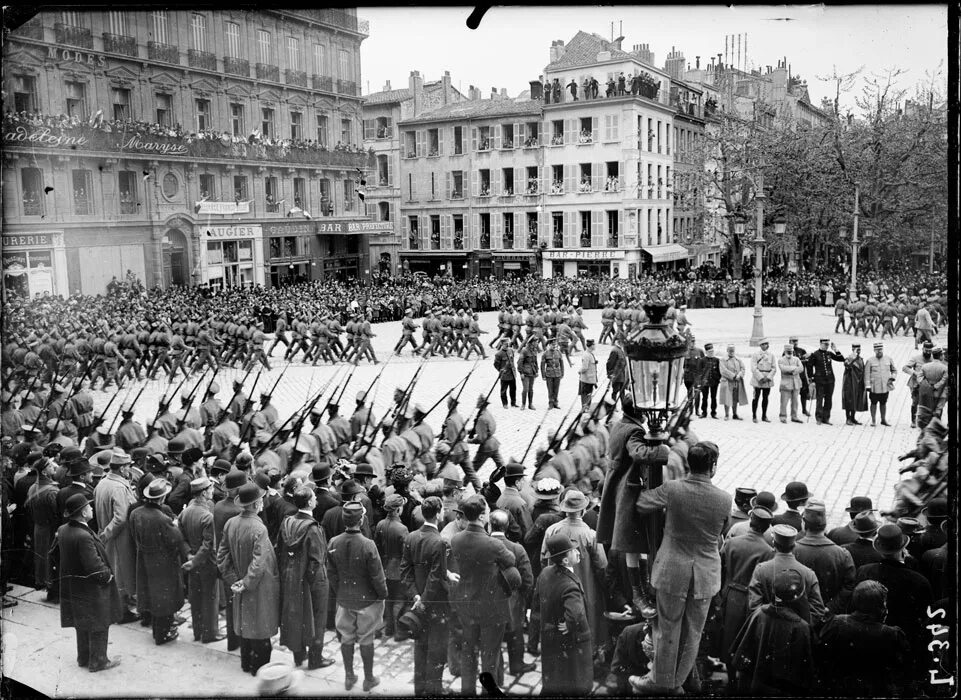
(583, 254)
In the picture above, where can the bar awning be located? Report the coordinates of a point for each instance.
(665, 253)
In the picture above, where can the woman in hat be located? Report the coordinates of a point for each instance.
(248, 567)
(161, 550)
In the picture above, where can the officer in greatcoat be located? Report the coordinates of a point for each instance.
(203, 583)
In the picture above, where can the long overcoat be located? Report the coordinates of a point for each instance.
(245, 554)
(88, 594)
(853, 396)
(161, 549)
(301, 553)
(567, 665)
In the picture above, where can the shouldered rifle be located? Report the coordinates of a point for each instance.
(534, 436)
(682, 417)
(447, 393)
(225, 411)
(190, 399)
(301, 414)
(401, 405)
(166, 401)
(74, 391)
(274, 387)
(557, 440)
(130, 409)
(477, 412)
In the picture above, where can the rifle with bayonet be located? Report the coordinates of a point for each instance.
(301, 414)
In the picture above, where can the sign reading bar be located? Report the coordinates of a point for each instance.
(216, 232)
(351, 226)
(583, 254)
(209, 207)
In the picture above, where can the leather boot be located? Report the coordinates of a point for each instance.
(642, 602)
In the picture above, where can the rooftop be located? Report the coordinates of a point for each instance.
(583, 49)
(387, 96)
(479, 109)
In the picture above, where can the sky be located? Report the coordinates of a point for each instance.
(512, 44)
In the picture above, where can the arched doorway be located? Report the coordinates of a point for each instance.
(175, 264)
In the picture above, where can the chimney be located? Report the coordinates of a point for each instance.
(697, 62)
(416, 85)
(448, 93)
(537, 90)
(557, 50)
(617, 43)
(674, 65)
(387, 86)
(644, 53)
(504, 94)
(473, 93)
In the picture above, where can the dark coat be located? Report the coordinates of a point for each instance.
(389, 536)
(853, 396)
(862, 552)
(819, 365)
(518, 599)
(566, 657)
(301, 554)
(833, 566)
(843, 535)
(424, 568)
(89, 598)
(772, 653)
(355, 572)
(65, 493)
(480, 597)
(739, 557)
(245, 554)
(850, 651)
(161, 550)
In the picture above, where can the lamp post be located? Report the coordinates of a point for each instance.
(757, 333)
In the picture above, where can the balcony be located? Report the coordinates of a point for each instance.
(532, 239)
(31, 29)
(558, 239)
(32, 206)
(201, 59)
(82, 206)
(73, 36)
(162, 52)
(347, 87)
(85, 138)
(337, 19)
(128, 206)
(458, 240)
(532, 142)
(266, 71)
(613, 241)
(237, 66)
(323, 82)
(118, 43)
(413, 241)
(295, 77)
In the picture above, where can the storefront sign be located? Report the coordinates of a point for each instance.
(55, 53)
(135, 143)
(208, 207)
(218, 232)
(42, 136)
(352, 227)
(28, 240)
(583, 254)
(291, 229)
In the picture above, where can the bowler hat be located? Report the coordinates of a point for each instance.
(157, 489)
(220, 466)
(349, 487)
(320, 472)
(558, 545)
(573, 501)
(864, 523)
(364, 469)
(859, 504)
(514, 469)
(909, 526)
(176, 446)
(74, 504)
(788, 585)
(936, 509)
(235, 479)
(890, 539)
(412, 623)
(765, 499)
(248, 494)
(191, 455)
(70, 454)
(78, 468)
(795, 491)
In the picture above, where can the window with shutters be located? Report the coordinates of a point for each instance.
(346, 132)
(557, 132)
(322, 130)
(202, 110)
(584, 228)
(121, 103)
(348, 195)
(533, 228)
(507, 136)
(413, 233)
(198, 32)
(508, 231)
(117, 21)
(164, 108)
(508, 182)
(25, 94)
(610, 127)
(383, 171)
(127, 186)
(410, 144)
(207, 186)
(31, 189)
(531, 184)
(383, 128)
(293, 53)
(584, 184)
(232, 31)
(263, 47)
(82, 192)
(160, 26)
(485, 231)
(435, 232)
(320, 59)
(345, 69)
(75, 95)
(613, 232)
(612, 181)
(433, 142)
(484, 138)
(533, 134)
(296, 125)
(557, 229)
(458, 221)
(557, 179)
(241, 191)
(267, 122)
(585, 134)
(237, 124)
(458, 140)
(485, 183)
(271, 195)
(457, 184)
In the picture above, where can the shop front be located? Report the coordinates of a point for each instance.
(356, 249)
(516, 264)
(289, 251)
(382, 251)
(665, 257)
(34, 264)
(583, 262)
(232, 255)
(441, 262)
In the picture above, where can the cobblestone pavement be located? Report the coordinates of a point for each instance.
(835, 461)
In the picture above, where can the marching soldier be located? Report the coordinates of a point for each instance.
(407, 332)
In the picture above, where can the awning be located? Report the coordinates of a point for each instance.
(664, 253)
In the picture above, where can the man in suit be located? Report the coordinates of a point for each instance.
(89, 599)
(197, 525)
(821, 371)
(560, 612)
(326, 499)
(687, 566)
(864, 528)
(425, 574)
(796, 496)
(513, 502)
(844, 534)
(479, 599)
(514, 632)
